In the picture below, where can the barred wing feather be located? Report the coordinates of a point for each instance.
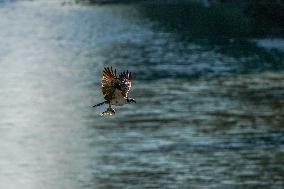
(125, 82)
(110, 82)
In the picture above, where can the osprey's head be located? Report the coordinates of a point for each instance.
(130, 100)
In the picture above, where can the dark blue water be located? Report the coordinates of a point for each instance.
(210, 111)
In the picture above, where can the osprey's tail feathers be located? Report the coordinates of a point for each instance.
(99, 104)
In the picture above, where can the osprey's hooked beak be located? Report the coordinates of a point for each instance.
(130, 100)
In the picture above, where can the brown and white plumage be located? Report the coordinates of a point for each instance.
(116, 88)
(110, 82)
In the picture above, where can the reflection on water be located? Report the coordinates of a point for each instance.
(205, 117)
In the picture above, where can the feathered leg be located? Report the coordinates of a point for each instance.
(109, 111)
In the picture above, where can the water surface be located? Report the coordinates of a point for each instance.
(209, 112)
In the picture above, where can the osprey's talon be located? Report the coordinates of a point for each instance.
(109, 111)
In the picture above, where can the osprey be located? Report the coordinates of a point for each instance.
(115, 89)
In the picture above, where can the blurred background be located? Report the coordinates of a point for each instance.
(208, 81)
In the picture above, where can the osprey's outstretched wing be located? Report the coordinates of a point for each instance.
(125, 82)
(110, 82)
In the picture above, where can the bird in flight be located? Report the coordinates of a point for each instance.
(115, 89)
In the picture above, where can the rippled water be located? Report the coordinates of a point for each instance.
(209, 114)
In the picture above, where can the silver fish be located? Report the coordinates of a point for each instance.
(109, 111)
